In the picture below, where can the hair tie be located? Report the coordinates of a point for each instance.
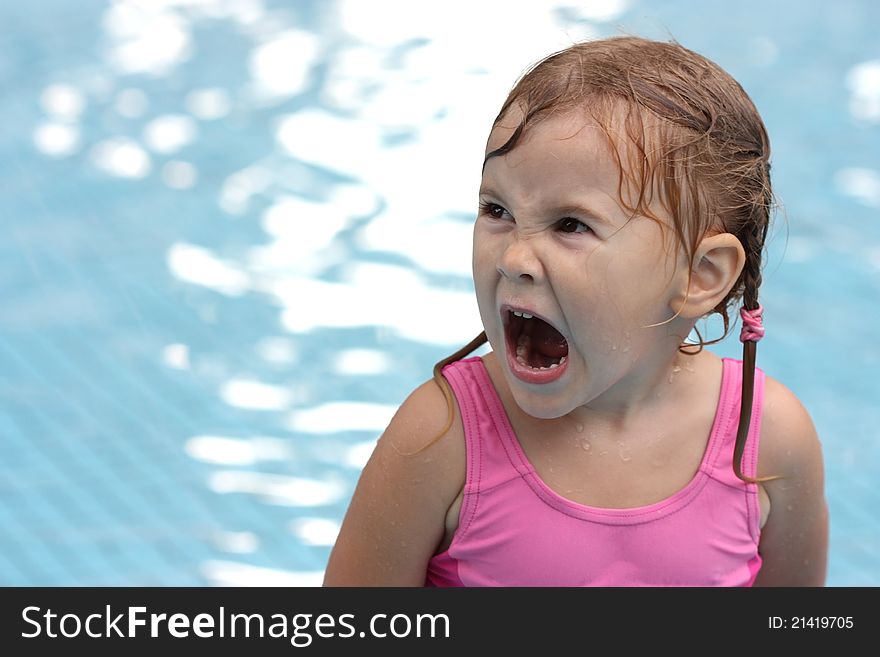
(753, 328)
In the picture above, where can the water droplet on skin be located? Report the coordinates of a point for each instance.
(586, 446)
(676, 368)
(602, 453)
(579, 427)
(624, 452)
(614, 347)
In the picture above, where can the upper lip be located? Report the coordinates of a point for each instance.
(507, 308)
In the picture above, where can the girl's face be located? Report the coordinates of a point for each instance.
(552, 241)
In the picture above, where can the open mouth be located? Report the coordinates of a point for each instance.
(533, 343)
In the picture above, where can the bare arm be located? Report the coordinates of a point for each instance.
(397, 514)
(794, 541)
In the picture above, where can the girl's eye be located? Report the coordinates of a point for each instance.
(572, 225)
(493, 210)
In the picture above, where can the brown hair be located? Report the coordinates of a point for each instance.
(691, 133)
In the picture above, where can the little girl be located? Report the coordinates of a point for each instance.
(625, 195)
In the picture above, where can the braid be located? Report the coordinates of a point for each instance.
(753, 237)
(443, 384)
(441, 381)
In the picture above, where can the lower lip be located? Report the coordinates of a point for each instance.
(530, 374)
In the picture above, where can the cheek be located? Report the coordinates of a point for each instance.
(483, 269)
(478, 247)
(484, 256)
(627, 291)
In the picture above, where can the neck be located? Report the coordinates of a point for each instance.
(642, 391)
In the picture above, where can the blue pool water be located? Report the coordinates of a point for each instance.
(228, 226)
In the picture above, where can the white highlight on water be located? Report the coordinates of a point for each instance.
(357, 455)
(198, 265)
(255, 395)
(239, 187)
(860, 183)
(208, 104)
(348, 146)
(230, 573)
(176, 355)
(600, 10)
(276, 489)
(315, 531)
(863, 81)
(236, 542)
(277, 350)
(146, 37)
(435, 244)
(301, 229)
(224, 450)
(339, 416)
(63, 101)
(170, 132)
(121, 157)
(57, 139)
(281, 66)
(354, 362)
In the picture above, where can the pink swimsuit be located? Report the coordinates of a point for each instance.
(515, 531)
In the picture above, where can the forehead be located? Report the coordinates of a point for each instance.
(560, 126)
(568, 153)
(564, 149)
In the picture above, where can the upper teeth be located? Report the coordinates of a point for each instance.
(519, 314)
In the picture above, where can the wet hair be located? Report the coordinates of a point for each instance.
(685, 135)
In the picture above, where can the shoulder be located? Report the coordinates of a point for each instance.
(397, 513)
(789, 445)
(422, 451)
(426, 432)
(794, 540)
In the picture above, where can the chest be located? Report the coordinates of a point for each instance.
(607, 469)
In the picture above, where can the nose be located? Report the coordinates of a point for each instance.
(519, 263)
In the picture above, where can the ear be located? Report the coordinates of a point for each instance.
(717, 264)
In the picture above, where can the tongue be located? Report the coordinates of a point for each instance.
(546, 340)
